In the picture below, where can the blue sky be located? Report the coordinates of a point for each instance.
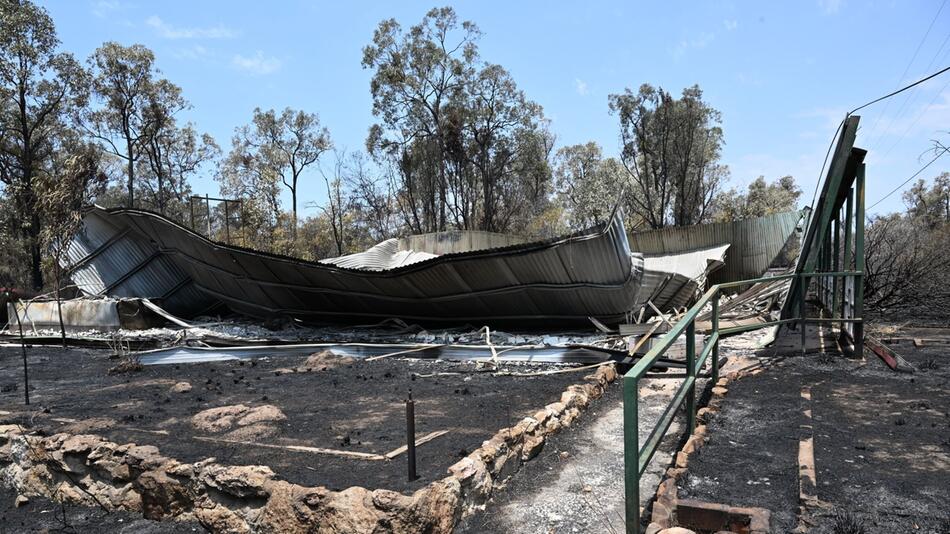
(783, 74)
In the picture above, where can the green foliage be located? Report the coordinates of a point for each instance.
(931, 206)
(761, 199)
(466, 147)
(588, 184)
(670, 149)
(274, 149)
(39, 89)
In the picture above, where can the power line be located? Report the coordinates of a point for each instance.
(876, 100)
(919, 116)
(905, 182)
(901, 90)
(910, 98)
(911, 62)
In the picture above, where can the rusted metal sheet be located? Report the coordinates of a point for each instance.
(754, 243)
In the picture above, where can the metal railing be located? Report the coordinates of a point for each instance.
(636, 458)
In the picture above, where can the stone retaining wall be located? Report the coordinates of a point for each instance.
(91, 471)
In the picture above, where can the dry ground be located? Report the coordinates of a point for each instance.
(356, 406)
(881, 440)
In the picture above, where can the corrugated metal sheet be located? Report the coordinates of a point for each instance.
(108, 258)
(451, 242)
(567, 279)
(755, 243)
(78, 315)
(380, 257)
(671, 281)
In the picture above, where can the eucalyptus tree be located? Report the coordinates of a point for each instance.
(466, 147)
(276, 148)
(40, 87)
(670, 149)
(588, 184)
(172, 155)
(760, 200)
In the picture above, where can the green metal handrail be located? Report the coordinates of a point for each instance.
(640, 457)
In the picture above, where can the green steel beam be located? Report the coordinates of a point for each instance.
(631, 454)
(691, 371)
(715, 329)
(835, 258)
(859, 258)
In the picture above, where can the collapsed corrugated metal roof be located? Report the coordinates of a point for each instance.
(109, 258)
(670, 281)
(589, 273)
(380, 257)
(755, 243)
(592, 273)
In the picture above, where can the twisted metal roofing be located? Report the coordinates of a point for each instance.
(754, 243)
(566, 279)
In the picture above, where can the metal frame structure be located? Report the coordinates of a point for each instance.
(826, 258)
(227, 216)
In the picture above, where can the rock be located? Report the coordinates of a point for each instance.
(350, 510)
(587, 489)
(682, 460)
(434, 509)
(290, 508)
(181, 387)
(21, 500)
(240, 481)
(162, 496)
(324, 360)
(217, 518)
(218, 419)
(224, 418)
(676, 530)
(532, 446)
(474, 481)
(565, 455)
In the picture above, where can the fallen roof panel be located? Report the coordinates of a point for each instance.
(589, 273)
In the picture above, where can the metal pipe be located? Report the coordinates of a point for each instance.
(227, 223)
(26, 370)
(208, 210)
(691, 371)
(411, 436)
(715, 329)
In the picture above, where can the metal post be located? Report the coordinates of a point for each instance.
(191, 207)
(802, 293)
(631, 455)
(691, 374)
(846, 259)
(227, 226)
(208, 210)
(859, 261)
(411, 436)
(26, 369)
(243, 225)
(715, 333)
(835, 257)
